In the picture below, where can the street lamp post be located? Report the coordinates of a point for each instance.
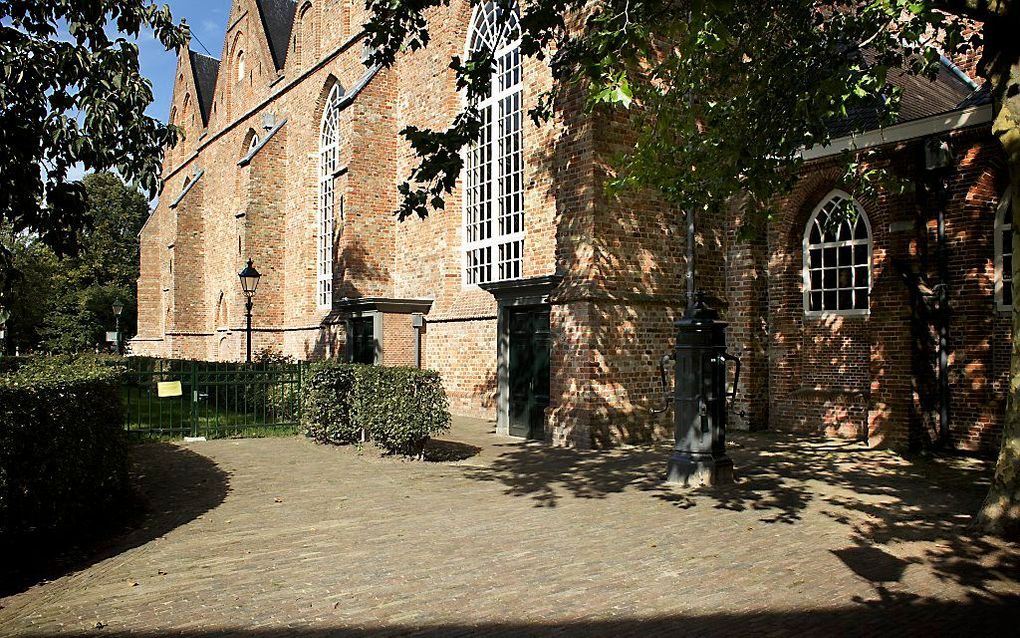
(4, 316)
(118, 307)
(249, 282)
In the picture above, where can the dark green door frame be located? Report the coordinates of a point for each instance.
(521, 293)
(529, 351)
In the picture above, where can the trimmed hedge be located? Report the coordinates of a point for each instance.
(63, 454)
(399, 409)
(326, 405)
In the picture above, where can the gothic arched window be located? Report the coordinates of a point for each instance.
(240, 65)
(1004, 252)
(837, 257)
(329, 165)
(494, 167)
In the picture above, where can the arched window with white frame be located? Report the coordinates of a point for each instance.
(1004, 252)
(494, 166)
(329, 166)
(837, 257)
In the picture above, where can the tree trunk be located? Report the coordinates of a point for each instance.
(1000, 63)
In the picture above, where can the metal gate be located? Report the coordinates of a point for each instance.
(210, 399)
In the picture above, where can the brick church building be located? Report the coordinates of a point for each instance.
(544, 303)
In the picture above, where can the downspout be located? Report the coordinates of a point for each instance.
(418, 323)
(943, 315)
(939, 163)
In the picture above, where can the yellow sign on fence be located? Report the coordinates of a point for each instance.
(169, 389)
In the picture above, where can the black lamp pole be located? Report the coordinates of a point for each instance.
(118, 307)
(249, 282)
(4, 316)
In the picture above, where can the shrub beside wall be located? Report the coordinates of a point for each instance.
(399, 409)
(326, 409)
(63, 456)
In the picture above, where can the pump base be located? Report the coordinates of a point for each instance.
(695, 470)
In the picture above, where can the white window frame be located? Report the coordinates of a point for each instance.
(514, 239)
(1001, 225)
(806, 258)
(326, 204)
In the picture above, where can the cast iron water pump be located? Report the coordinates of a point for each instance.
(699, 398)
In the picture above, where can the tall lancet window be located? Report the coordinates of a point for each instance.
(494, 180)
(329, 166)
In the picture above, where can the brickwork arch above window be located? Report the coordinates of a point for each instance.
(837, 257)
(305, 43)
(494, 232)
(1004, 251)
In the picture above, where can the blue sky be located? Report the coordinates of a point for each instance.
(208, 21)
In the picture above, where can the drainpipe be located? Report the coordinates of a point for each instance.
(960, 74)
(938, 162)
(418, 323)
(943, 315)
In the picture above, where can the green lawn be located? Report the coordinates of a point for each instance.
(151, 417)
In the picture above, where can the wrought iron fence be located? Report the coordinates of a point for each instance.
(209, 399)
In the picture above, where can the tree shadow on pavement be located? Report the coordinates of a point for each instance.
(172, 486)
(975, 617)
(881, 498)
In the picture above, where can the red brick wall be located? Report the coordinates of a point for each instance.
(622, 259)
(270, 206)
(854, 375)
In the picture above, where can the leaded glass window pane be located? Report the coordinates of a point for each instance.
(837, 256)
(494, 166)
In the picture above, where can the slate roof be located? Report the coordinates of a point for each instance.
(278, 21)
(920, 98)
(205, 70)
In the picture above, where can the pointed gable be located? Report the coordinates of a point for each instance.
(278, 22)
(205, 69)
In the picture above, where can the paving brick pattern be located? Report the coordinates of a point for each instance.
(285, 537)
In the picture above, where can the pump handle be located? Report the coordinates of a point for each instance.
(736, 373)
(665, 390)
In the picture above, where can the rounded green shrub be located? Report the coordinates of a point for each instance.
(326, 408)
(400, 408)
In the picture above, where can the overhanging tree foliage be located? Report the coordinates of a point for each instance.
(71, 94)
(727, 95)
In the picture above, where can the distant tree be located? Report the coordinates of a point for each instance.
(28, 291)
(71, 94)
(64, 304)
(104, 269)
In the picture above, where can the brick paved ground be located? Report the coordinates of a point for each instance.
(283, 537)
